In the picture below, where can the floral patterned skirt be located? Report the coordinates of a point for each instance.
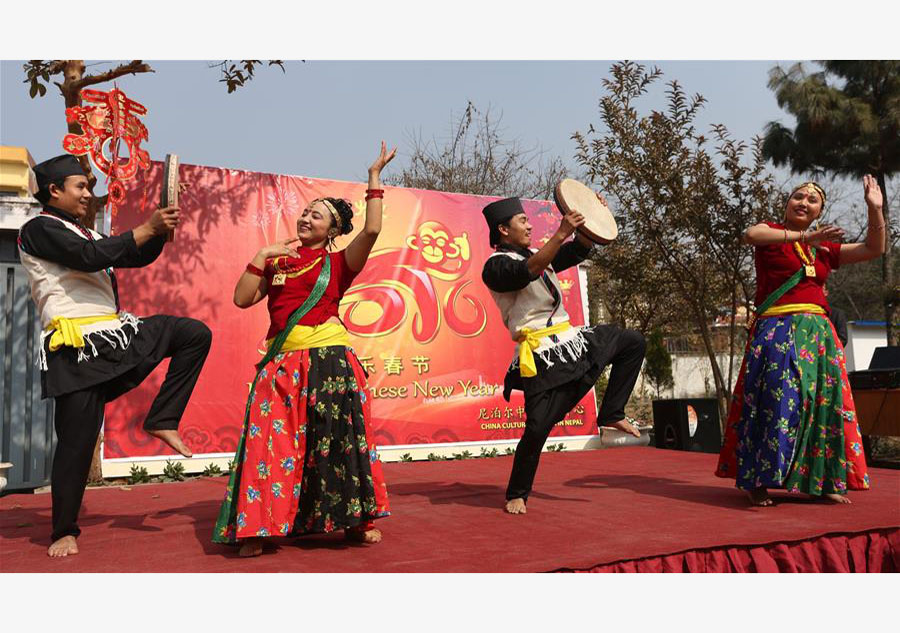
(305, 462)
(792, 423)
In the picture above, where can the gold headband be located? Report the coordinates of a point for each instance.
(811, 187)
(330, 207)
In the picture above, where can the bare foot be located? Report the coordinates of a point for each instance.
(369, 536)
(760, 497)
(171, 437)
(63, 547)
(836, 498)
(515, 506)
(252, 547)
(626, 427)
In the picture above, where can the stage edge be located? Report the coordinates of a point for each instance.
(608, 438)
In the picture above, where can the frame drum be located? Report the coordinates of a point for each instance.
(168, 196)
(599, 224)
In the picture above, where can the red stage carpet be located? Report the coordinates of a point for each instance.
(623, 509)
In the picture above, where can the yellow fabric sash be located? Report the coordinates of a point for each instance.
(311, 336)
(68, 331)
(793, 308)
(529, 340)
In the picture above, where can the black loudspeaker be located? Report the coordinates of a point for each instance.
(883, 371)
(690, 424)
(887, 357)
(874, 379)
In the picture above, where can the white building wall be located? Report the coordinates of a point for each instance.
(862, 339)
(693, 376)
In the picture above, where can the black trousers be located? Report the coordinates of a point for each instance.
(79, 414)
(625, 352)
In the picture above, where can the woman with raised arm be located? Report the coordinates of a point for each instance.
(792, 423)
(306, 462)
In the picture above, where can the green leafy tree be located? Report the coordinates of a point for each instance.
(683, 203)
(658, 363)
(847, 123)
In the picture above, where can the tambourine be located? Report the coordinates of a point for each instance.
(599, 224)
(168, 195)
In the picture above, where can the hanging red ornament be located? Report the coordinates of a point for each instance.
(116, 192)
(111, 121)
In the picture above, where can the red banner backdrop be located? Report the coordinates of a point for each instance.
(420, 318)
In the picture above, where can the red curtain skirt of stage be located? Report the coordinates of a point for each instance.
(874, 551)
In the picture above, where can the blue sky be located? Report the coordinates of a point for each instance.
(326, 118)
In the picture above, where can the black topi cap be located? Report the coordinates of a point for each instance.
(54, 170)
(502, 210)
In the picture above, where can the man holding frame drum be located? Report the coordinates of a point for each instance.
(92, 351)
(556, 363)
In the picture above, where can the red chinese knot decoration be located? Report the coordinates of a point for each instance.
(113, 120)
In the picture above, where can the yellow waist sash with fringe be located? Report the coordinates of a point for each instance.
(529, 340)
(68, 331)
(793, 308)
(311, 336)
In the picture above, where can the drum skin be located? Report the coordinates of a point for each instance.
(599, 224)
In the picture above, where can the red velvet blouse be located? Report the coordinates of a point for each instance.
(775, 263)
(299, 276)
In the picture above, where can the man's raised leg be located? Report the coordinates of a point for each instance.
(187, 342)
(188, 348)
(626, 367)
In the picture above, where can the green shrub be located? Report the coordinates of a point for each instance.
(139, 475)
(174, 471)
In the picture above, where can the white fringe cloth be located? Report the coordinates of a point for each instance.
(111, 331)
(569, 350)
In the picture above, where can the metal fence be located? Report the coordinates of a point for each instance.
(26, 422)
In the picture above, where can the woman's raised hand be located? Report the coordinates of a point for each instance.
(383, 159)
(825, 233)
(874, 197)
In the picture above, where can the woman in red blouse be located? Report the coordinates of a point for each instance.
(792, 423)
(306, 462)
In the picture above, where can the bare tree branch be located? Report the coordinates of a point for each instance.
(478, 159)
(132, 68)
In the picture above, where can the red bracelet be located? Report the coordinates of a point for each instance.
(253, 270)
(374, 193)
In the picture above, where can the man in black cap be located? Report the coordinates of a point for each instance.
(556, 364)
(91, 351)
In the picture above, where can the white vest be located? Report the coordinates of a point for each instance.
(532, 307)
(58, 290)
